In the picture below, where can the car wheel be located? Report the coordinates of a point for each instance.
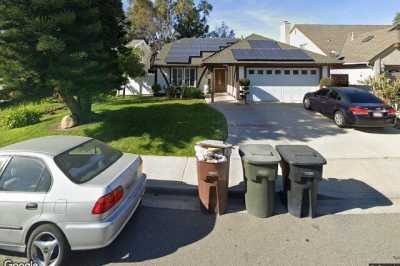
(340, 119)
(48, 246)
(307, 103)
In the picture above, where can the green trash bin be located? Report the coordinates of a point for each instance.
(260, 167)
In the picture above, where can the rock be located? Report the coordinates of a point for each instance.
(69, 121)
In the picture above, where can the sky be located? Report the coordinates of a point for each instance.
(264, 16)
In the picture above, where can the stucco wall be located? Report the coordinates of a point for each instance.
(139, 86)
(297, 38)
(355, 75)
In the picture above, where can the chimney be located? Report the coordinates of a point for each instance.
(285, 32)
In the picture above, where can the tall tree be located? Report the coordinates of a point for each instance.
(396, 19)
(73, 47)
(141, 15)
(222, 31)
(165, 19)
(191, 20)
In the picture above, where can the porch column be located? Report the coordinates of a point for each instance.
(212, 84)
(325, 72)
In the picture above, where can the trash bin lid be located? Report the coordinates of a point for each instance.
(259, 154)
(300, 155)
(214, 144)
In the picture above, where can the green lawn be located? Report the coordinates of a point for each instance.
(141, 125)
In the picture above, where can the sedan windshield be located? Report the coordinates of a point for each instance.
(362, 97)
(87, 160)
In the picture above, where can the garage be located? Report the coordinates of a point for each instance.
(287, 85)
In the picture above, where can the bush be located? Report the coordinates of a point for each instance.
(191, 93)
(156, 88)
(244, 82)
(20, 117)
(327, 82)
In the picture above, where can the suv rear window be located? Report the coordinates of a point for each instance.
(86, 161)
(362, 97)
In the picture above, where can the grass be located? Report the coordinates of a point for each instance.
(140, 125)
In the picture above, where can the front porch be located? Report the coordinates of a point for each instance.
(223, 97)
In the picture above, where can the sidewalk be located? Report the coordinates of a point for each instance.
(348, 183)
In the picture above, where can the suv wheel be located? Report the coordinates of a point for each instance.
(48, 246)
(307, 103)
(340, 119)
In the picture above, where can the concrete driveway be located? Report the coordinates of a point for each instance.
(277, 123)
(362, 164)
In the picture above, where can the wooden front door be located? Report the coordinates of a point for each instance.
(220, 80)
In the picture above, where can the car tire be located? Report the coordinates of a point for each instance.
(340, 119)
(47, 243)
(307, 103)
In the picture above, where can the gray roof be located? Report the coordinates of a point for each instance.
(202, 51)
(369, 45)
(52, 145)
(226, 56)
(333, 37)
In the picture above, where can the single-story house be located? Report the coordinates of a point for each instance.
(277, 71)
(365, 50)
(140, 85)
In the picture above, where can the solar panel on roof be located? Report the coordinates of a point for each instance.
(183, 50)
(270, 55)
(263, 44)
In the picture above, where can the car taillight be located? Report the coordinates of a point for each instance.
(392, 111)
(108, 201)
(359, 110)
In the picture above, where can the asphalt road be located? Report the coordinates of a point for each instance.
(185, 237)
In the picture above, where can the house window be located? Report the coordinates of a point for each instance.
(278, 72)
(268, 72)
(304, 72)
(184, 76)
(295, 72)
(251, 72)
(313, 72)
(287, 72)
(260, 72)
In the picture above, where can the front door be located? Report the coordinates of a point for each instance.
(220, 80)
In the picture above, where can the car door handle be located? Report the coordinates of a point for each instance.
(32, 206)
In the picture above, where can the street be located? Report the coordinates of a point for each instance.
(182, 235)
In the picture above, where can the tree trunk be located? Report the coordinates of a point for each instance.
(80, 108)
(85, 102)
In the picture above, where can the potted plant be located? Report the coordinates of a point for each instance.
(244, 89)
(326, 82)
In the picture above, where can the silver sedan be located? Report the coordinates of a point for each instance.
(62, 193)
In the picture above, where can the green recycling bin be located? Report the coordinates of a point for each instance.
(260, 168)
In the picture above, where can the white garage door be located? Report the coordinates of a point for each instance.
(282, 84)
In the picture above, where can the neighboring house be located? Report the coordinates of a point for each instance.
(141, 85)
(365, 50)
(277, 71)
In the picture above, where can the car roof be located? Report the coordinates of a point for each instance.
(52, 145)
(351, 90)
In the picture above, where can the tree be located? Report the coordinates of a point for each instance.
(223, 31)
(396, 19)
(165, 19)
(141, 15)
(72, 47)
(191, 20)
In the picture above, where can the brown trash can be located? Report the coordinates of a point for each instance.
(213, 177)
(213, 181)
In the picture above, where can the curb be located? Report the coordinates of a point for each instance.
(184, 190)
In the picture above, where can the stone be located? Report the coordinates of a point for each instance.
(69, 121)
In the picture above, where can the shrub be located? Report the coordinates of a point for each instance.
(327, 82)
(20, 117)
(156, 88)
(191, 93)
(244, 82)
(388, 89)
